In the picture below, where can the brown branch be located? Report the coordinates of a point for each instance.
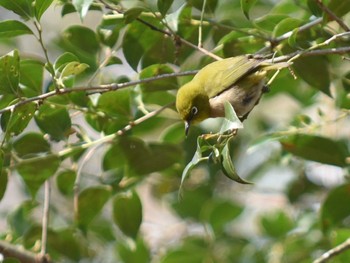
(332, 15)
(98, 89)
(334, 252)
(24, 256)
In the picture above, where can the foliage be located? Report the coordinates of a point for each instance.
(93, 116)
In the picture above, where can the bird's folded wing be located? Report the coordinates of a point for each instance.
(222, 74)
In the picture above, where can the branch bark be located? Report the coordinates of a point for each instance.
(334, 252)
(24, 256)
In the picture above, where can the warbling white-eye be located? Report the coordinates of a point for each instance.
(239, 80)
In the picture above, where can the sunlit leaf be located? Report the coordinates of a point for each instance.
(9, 73)
(13, 123)
(41, 6)
(82, 6)
(23, 8)
(231, 121)
(228, 167)
(13, 28)
(73, 68)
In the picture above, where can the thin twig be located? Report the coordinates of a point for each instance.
(332, 15)
(168, 33)
(200, 44)
(277, 40)
(45, 220)
(334, 252)
(76, 187)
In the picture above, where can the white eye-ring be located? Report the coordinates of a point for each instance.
(194, 111)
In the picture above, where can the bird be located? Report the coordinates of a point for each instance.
(239, 80)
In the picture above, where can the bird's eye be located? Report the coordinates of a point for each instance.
(194, 111)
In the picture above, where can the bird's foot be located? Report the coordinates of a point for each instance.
(265, 89)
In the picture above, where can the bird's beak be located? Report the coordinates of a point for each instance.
(187, 127)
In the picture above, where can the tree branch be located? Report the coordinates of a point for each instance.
(332, 15)
(334, 252)
(96, 89)
(24, 256)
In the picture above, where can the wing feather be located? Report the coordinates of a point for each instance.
(220, 75)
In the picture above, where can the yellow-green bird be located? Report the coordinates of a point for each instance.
(239, 80)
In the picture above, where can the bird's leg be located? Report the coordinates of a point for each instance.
(265, 89)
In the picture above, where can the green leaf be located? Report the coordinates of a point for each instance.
(164, 6)
(109, 30)
(142, 42)
(314, 8)
(269, 22)
(218, 213)
(339, 7)
(314, 71)
(32, 75)
(13, 28)
(127, 213)
(23, 8)
(277, 224)
(20, 218)
(116, 103)
(73, 68)
(31, 145)
(54, 120)
(151, 157)
(334, 210)
(63, 60)
(228, 167)
(193, 249)
(9, 73)
(35, 172)
(246, 5)
(130, 254)
(133, 13)
(316, 148)
(197, 158)
(162, 84)
(231, 121)
(82, 6)
(90, 203)
(286, 25)
(82, 42)
(65, 181)
(40, 7)
(3, 176)
(14, 123)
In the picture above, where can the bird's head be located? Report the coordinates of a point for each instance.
(192, 104)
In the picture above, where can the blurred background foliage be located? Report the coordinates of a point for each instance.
(74, 114)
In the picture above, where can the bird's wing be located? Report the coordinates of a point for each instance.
(222, 74)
